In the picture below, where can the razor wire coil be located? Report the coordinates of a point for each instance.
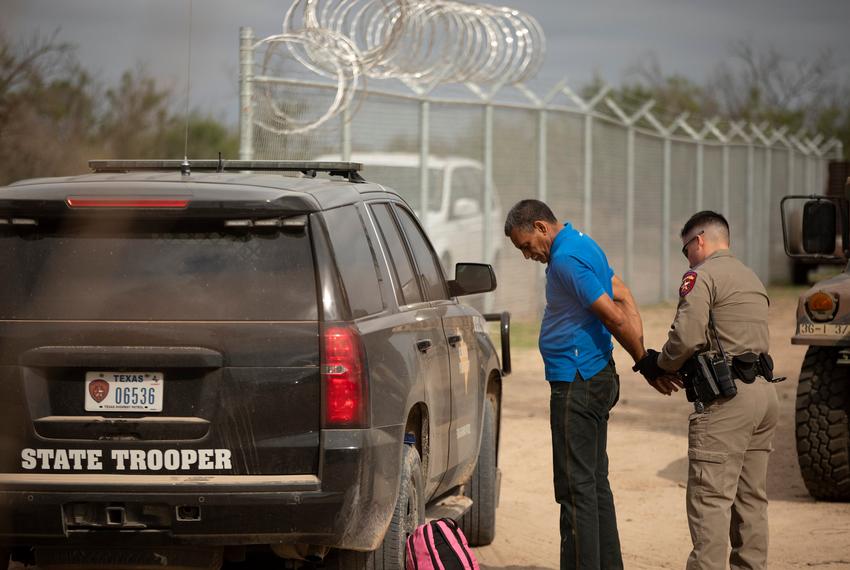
(423, 43)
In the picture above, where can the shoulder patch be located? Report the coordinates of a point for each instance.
(689, 279)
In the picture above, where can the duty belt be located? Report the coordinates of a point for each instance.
(711, 375)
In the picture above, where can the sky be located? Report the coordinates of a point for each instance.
(603, 37)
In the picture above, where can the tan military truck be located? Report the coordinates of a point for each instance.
(815, 229)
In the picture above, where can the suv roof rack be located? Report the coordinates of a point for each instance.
(349, 170)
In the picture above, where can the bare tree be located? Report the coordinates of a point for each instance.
(799, 93)
(768, 85)
(54, 116)
(23, 65)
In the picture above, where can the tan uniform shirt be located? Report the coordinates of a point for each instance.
(738, 301)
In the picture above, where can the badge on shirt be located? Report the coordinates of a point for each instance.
(689, 279)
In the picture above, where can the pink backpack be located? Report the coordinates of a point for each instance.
(439, 545)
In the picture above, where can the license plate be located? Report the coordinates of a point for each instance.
(823, 329)
(124, 391)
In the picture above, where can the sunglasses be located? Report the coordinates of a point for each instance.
(685, 247)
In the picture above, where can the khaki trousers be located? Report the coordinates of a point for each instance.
(728, 447)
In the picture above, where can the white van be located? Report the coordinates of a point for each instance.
(455, 213)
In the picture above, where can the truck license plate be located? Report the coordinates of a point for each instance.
(823, 329)
(124, 391)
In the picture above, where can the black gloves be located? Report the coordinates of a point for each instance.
(648, 366)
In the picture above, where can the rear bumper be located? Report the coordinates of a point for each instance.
(820, 340)
(349, 505)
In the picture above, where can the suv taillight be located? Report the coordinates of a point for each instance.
(343, 377)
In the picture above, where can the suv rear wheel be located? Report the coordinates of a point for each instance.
(479, 522)
(823, 433)
(409, 513)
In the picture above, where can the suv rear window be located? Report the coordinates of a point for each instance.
(355, 260)
(156, 270)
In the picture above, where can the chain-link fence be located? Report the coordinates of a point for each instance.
(629, 181)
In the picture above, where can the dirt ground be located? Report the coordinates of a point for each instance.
(647, 448)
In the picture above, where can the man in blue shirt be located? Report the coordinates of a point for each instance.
(585, 305)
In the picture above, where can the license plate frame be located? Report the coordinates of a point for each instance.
(135, 392)
(824, 329)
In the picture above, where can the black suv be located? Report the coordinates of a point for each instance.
(198, 359)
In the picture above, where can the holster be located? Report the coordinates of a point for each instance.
(707, 377)
(766, 364)
(747, 366)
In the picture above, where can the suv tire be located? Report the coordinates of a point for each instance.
(409, 513)
(823, 433)
(479, 522)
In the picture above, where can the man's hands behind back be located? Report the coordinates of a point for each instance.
(664, 382)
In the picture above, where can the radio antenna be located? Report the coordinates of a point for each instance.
(188, 85)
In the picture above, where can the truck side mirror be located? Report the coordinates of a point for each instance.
(472, 278)
(819, 227)
(815, 227)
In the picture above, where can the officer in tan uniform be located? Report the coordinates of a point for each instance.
(729, 438)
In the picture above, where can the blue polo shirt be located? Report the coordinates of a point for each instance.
(572, 338)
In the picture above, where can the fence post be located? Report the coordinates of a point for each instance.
(725, 173)
(487, 226)
(807, 165)
(804, 152)
(710, 126)
(665, 215)
(737, 128)
(808, 175)
(630, 205)
(791, 173)
(345, 143)
(542, 133)
(665, 132)
(779, 136)
(700, 174)
(488, 181)
(817, 157)
(542, 143)
(542, 178)
(588, 172)
(587, 108)
(424, 152)
(542, 154)
(763, 241)
(767, 208)
(246, 93)
(751, 210)
(682, 123)
(818, 182)
(629, 123)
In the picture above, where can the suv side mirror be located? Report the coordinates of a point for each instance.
(465, 208)
(472, 278)
(819, 226)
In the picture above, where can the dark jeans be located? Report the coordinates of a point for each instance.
(579, 420)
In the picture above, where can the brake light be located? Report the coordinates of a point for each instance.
(77, 202)
(344, 377)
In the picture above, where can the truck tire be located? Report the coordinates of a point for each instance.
(823, 432)
(479, 522)
(408, 514)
